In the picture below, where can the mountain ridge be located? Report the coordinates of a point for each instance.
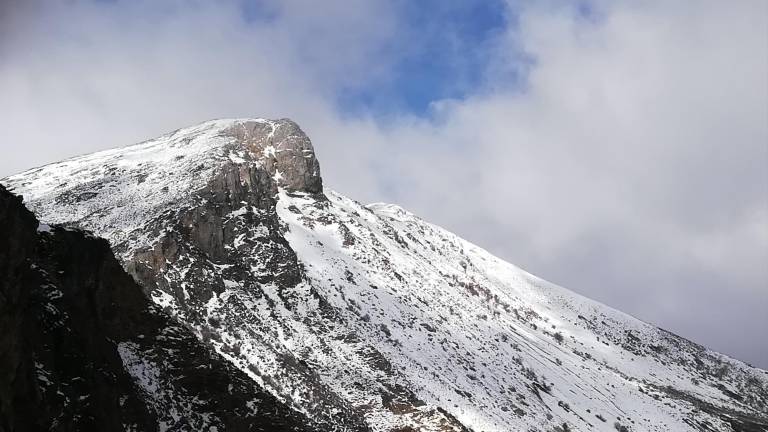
(368, 310)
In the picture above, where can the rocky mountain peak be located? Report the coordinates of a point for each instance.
(116, 192)
(284, 151)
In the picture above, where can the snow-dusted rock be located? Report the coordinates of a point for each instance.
(286, 152)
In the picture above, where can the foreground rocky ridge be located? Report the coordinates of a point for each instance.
(81, 348)
(366, 316)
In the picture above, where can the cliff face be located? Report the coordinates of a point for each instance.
(81, 347)
(284, 150)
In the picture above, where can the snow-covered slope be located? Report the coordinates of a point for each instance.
(368, 313)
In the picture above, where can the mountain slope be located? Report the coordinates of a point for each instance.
(82, 349)
(349, 312)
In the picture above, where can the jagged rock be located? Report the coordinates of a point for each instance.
(285, 151)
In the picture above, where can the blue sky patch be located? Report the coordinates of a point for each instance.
(441, 54)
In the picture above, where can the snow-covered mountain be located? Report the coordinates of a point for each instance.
(365, 315)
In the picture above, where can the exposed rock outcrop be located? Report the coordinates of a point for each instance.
(285, 151)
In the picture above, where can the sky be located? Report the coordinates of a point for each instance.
(617, 148)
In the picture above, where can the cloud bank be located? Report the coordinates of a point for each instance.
(617, 148)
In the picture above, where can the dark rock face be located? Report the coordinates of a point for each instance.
(81, 348)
